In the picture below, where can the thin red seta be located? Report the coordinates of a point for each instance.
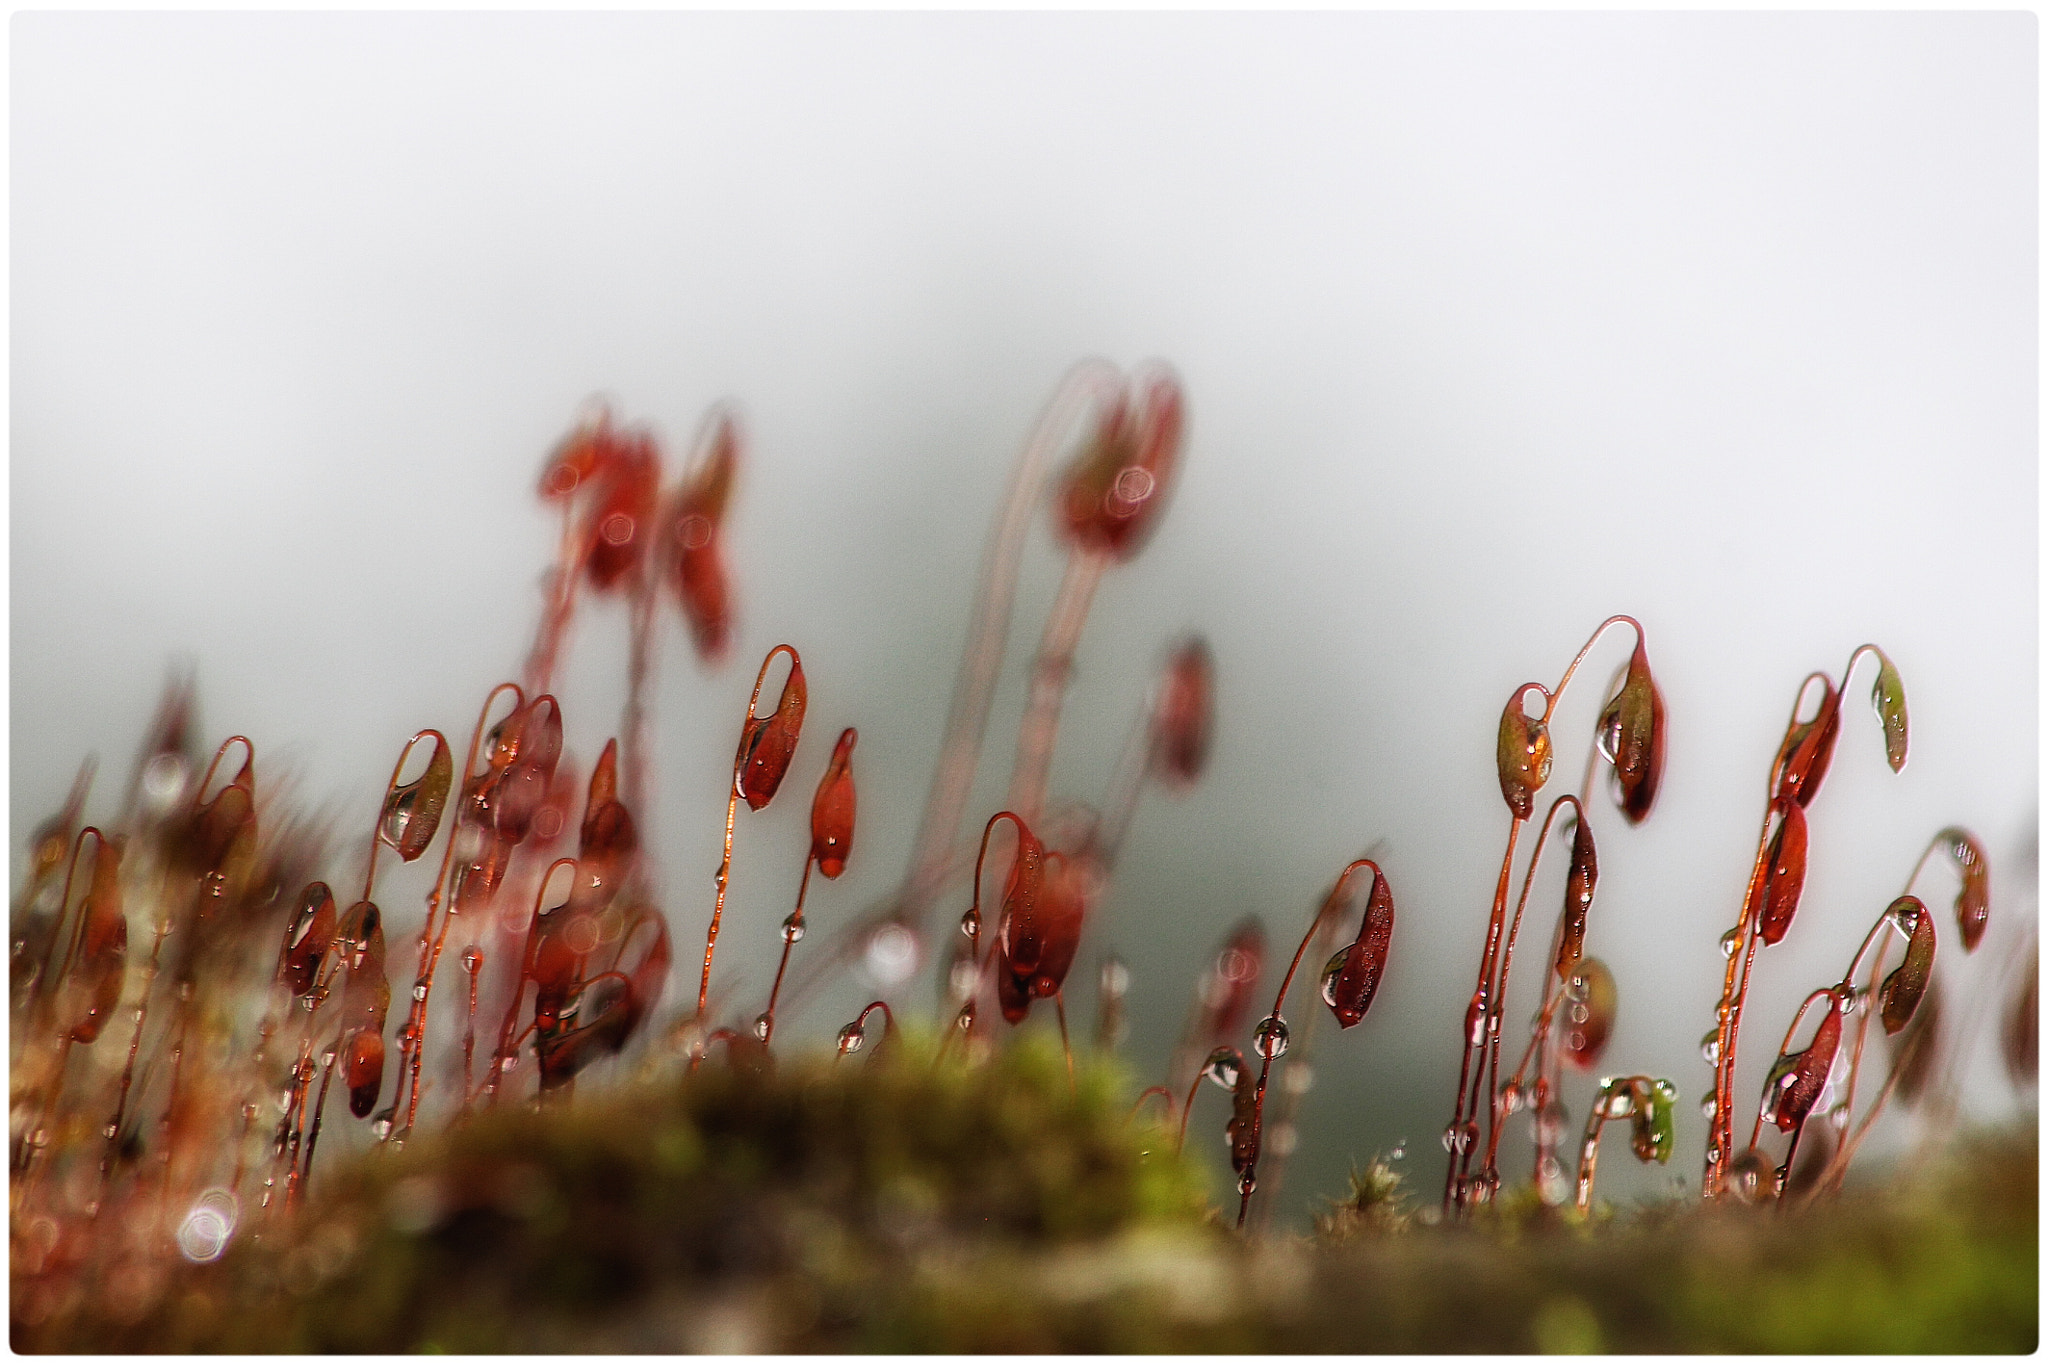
(855, 1035)
(1271, 1034)
(756, 734)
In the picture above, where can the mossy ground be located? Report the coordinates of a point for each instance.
(887, 1204)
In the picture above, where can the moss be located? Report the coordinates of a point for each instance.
(896, 1205)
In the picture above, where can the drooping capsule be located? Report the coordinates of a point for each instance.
(307, 941)
(1888, 697)
(412, 811)
(1226, 988)
(832, 809)
(1808, 748)
(620, 523)
(693, 538)
(1183, 721)
(1110, 497)
(1579, 881)
(1783, 874)
(1352, 977)
(102, 966)
(1523, 753)
(1973, 902)
(1902, 991)
(1635, 719)
(1796, 1078)
(1588, 1014)
(363, 1070)
(767, 742)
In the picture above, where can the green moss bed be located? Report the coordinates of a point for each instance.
(881, 1203)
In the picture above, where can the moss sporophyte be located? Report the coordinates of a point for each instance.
(614, 1169)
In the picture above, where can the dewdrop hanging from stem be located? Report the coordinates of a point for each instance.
(1349, 982)
(766, 744)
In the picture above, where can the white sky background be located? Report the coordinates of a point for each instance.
(1491, 325)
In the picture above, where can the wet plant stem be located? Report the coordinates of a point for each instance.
(732, 806)
(1050, 673)
(796, 924)
(1460, 1146)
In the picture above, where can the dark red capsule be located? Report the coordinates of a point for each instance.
(1109, 499)
(1784, 873)
(311, 935)
(1352, 977)
(1183, 722)
(1579, 881)
(767, 742)
(832, 809)
(1795, 1081)
(1902, 991)
(363, 1070)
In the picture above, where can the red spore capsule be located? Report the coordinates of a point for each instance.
(1523, 753)
(1109, 499)
(833, 807)
(693, 541)
(363, 1070)
(1634, 721)
(1184, 721)
(1807, 750)
(767, 742)
(412, 812)
(1352, 977)
(1227, 989)
(1901, 993)
(619, 526)
(1973, 902)
(1783, 874)
(102, 966)
(1579, 882)
(311, 935)
(1795, 1081)
(577, 460)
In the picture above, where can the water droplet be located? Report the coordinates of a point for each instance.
(419, 991)
(380, 1127)
(1450, 1137)
(1609, 736)
(1578, 1014)
(1468, 1137)
(1710, 1047)
(1620, 1104)
(109, 1131)
(1838, 1117)
(1480, 1190)
(1730, 941)
(1400, 1149)
(1246, 1183)
(507, 1063)
(1551, 1121)
(1475, 1019)
(1510, 1098)
(1709, 1108)
(793, 930)
(1223, 1067)
(761, 1027)
(851, 1039)
(1576, 987)
(1270, 1037)
(970, 923)
(1552, 1184)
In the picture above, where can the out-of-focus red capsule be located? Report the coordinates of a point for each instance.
(1110, 497)
(1227, 989)
(577, 460)
(363, 1070)
(366, 998)
(102, 966)
(1632, 736)
(693, 540)
(1590, 1002)
(832, 809)
(620, 524)
(1796, 1079)
(767, 742)
(1352, 977)
(1183, 722)
(1973, 902)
